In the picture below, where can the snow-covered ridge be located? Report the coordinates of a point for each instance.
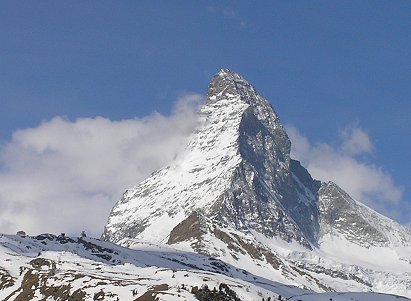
(49, 267)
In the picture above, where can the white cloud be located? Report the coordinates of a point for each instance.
(65, 176)
(363, 181)
(355, 141)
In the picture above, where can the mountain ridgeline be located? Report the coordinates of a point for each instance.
(234, 193)
(241, 154)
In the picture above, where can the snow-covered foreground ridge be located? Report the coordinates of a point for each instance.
(48, 267)
(235, 194)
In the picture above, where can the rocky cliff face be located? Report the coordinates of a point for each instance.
(339, 213)
(236, 194)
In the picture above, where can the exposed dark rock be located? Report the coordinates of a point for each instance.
(188, 229)
(222, 293)
(6, 280)
(33, 281)
(151, 295)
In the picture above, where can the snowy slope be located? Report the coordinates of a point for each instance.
(161, 202)
(47, 267)
(235, 194)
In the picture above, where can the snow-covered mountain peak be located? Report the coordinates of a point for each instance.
(227, 84)
(235, 193)
(227, 88)
(232, 169)
(232, 218)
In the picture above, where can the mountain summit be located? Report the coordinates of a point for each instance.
(235, 193)
(235, 171)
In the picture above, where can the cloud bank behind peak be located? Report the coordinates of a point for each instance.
(65, 176)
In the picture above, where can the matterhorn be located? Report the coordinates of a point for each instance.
(235, 194)
(232, 218)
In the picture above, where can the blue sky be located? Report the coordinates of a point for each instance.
(333, 70)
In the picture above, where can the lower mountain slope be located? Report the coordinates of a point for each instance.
(49, 267)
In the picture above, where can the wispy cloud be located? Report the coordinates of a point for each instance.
(355, 141)
(345, 165)
(228, 13)
(65, 176)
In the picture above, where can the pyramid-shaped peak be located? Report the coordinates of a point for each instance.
(228, 74)
(227, 83)
(239, 145)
